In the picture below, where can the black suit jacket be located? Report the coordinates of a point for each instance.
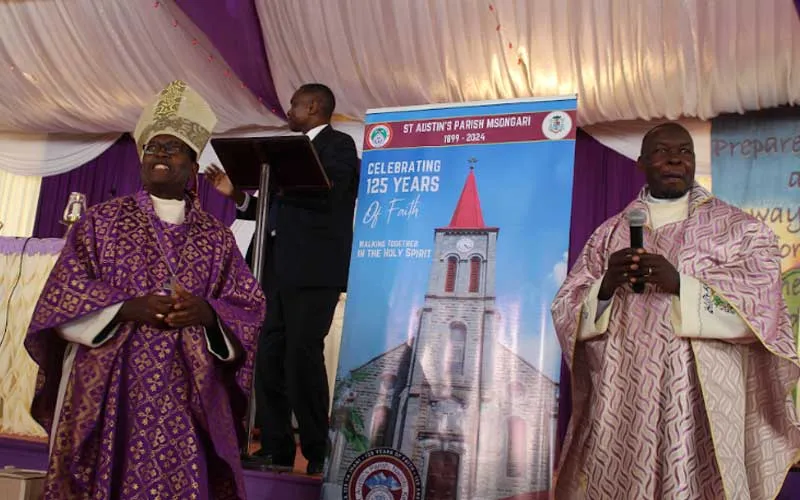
(315, 231)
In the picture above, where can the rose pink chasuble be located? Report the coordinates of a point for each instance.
(151, 413)
(657, 416)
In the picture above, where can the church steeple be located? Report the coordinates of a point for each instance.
(468, 213)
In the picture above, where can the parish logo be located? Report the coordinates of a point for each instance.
(557, 125)
(382, 474)
(379, 136)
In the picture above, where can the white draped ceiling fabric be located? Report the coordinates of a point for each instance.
(89, 67)
(74, 74)
(626, 59)
(50, 154)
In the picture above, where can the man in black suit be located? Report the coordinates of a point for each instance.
(307, 262)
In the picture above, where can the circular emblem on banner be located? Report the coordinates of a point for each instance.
(382, 474)
(557, 125)
(379, 136)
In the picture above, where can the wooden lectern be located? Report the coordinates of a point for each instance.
(269, 164)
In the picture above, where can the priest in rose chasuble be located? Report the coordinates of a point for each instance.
(145, 333)
(683, 391)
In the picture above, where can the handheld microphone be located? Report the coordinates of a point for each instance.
(636, 221)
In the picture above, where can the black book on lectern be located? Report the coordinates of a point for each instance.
(293, 162)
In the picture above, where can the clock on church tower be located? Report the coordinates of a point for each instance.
(464, 245)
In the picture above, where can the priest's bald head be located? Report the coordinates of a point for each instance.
(667, 160)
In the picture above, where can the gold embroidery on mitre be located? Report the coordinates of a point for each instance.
(178, 111)
(169, 100)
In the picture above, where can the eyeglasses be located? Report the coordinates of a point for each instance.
(169, 149)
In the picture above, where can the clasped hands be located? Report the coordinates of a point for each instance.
(635, 265)
(178, 310)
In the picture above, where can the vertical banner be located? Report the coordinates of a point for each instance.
(447, 386)
(755, 165)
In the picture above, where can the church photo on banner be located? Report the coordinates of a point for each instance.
(448, 378)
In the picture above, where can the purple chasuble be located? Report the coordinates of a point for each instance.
(151, 413)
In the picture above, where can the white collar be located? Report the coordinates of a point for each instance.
(167, 201)
(314, 132)
(666, 201)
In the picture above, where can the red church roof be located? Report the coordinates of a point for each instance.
(468, 214)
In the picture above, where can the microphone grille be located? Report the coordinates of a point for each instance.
(637, 217)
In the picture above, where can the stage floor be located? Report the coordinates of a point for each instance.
(27, 453)
(31, 453)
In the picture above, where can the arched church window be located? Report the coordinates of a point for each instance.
(457, 346)
(474, 274)
(380, 422)
(516, 447)
(450, 279)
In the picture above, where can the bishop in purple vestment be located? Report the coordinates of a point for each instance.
(145, 333)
